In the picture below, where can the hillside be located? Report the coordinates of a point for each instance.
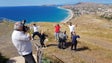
(95, 44)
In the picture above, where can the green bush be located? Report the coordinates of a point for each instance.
(46, 60)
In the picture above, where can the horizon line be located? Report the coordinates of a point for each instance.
(54, 4)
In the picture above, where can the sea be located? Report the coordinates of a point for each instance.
(34, 13)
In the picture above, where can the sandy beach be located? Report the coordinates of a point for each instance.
(70, 16)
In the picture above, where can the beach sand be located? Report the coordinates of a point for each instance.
(70, 16)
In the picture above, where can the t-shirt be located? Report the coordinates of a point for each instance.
(74, 38)
(57, 29)
(72, 28)
(43, 36)
(62, 36)
(35, 28)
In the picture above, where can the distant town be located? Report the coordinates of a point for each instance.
(103, 10)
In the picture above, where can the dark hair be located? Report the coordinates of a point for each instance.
(70, 23)
(34, 24)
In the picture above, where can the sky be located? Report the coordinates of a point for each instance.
(45, 2)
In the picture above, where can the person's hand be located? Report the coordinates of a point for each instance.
(29, 36)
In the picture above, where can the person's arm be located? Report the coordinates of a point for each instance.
(78, 36)
(46, 35)
(25, 38)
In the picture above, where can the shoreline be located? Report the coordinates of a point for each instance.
(69, 17)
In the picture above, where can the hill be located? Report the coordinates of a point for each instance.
(82, 8)
(95, 44)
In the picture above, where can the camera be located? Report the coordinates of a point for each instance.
(25, 28)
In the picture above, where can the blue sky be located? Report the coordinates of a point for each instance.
(44, 2)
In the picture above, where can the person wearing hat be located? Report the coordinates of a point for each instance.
(22, 43)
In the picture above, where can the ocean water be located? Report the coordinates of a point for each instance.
(34, 13)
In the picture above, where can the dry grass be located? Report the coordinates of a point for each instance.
(87, 26)
(92, 25)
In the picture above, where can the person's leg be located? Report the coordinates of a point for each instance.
(29, 58)
(71, 34)
(63, 44)
(75, 46)
(59, 43)
(71, 46)
(57, 36)
(41, 42)
(26, 61)
(38, 34)
(33, 35)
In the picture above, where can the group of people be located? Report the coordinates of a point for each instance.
(21, 40)
(61, 36)
(42, 36)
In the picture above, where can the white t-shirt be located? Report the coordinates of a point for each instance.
(72, 28)
(35, 28)
(22, 42)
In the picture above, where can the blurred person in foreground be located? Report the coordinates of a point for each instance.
(21, 41)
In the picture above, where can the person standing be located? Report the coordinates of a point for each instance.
(22, 42)
(62, 40)
(57, 30)
(71, 28)
(74, 41)
(35, 31)
(42, 38)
